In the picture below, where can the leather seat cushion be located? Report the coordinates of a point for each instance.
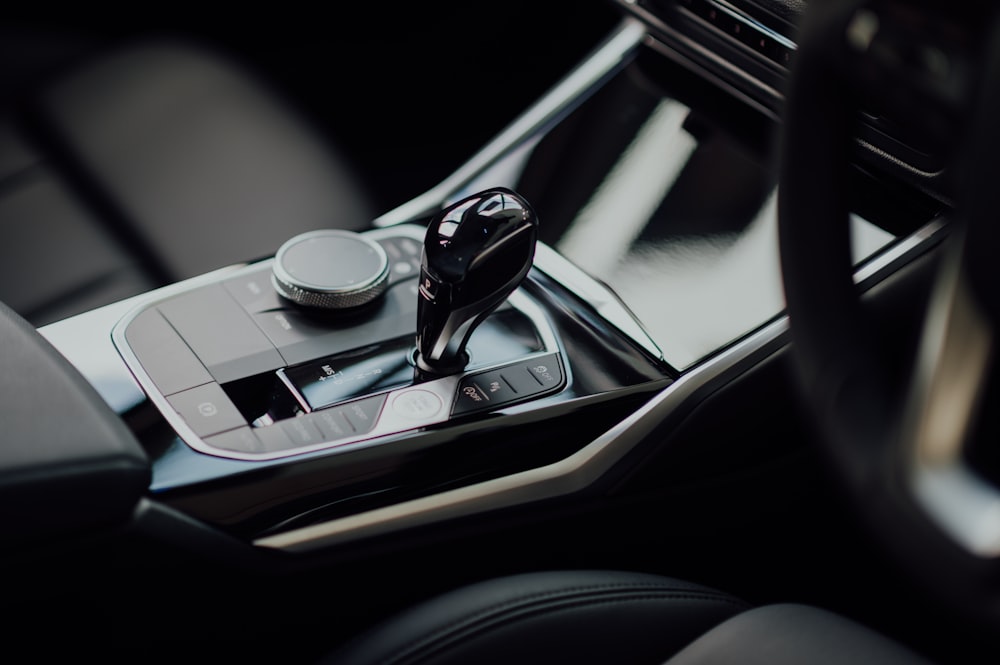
(564, 616)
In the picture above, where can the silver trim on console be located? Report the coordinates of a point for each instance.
(588, 465)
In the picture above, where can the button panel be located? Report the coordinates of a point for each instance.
(164, 355)
(508, 385)
(203, 353)
(207, 409)
(404, 257)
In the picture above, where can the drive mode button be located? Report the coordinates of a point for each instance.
(480, 391)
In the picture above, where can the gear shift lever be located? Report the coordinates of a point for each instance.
(476, 252)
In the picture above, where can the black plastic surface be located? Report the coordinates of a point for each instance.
(221, 333)
(164, 355)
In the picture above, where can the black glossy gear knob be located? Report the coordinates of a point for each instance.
(476, 252)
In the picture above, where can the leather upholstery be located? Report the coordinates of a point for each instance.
(151, 164)
(552, 617)
(619, 618)
(788, 634)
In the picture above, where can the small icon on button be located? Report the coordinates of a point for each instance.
(543, 374)
(208, 409)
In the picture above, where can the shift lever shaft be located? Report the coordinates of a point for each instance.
(476, 252)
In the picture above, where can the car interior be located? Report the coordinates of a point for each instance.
(619, 331)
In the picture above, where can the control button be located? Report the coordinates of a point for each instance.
(254, 291)
(332, 423)
(207, 410)
(274, 438)
(404, 257)
(545, 370)
(285, 327)
(417, 404)
(402, 270)
(163, 354)
(221, 333)
(489, 389)
(433, 289)
(300, 338)
(363, 414)
(241, 440)
(354, 418)
(507, 385)
(302, 432)
(518, 378)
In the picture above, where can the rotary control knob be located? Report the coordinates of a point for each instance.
(330, 269)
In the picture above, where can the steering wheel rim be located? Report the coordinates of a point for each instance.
(874, 424)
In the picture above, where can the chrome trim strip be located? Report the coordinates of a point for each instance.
(566, 94)
(578, 471)
(926, 235)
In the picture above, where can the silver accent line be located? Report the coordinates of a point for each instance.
(571, 474)
(753, 23)
(566, 94)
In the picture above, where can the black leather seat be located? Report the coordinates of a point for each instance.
(615, 617)
(151, 163)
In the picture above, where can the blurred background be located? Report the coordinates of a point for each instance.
(385, 80)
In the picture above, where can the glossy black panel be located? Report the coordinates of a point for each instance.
(364, 371)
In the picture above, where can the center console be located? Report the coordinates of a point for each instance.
(536, 328)
(354, 371)
(345, 338)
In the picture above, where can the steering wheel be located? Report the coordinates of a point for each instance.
(901, 441)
